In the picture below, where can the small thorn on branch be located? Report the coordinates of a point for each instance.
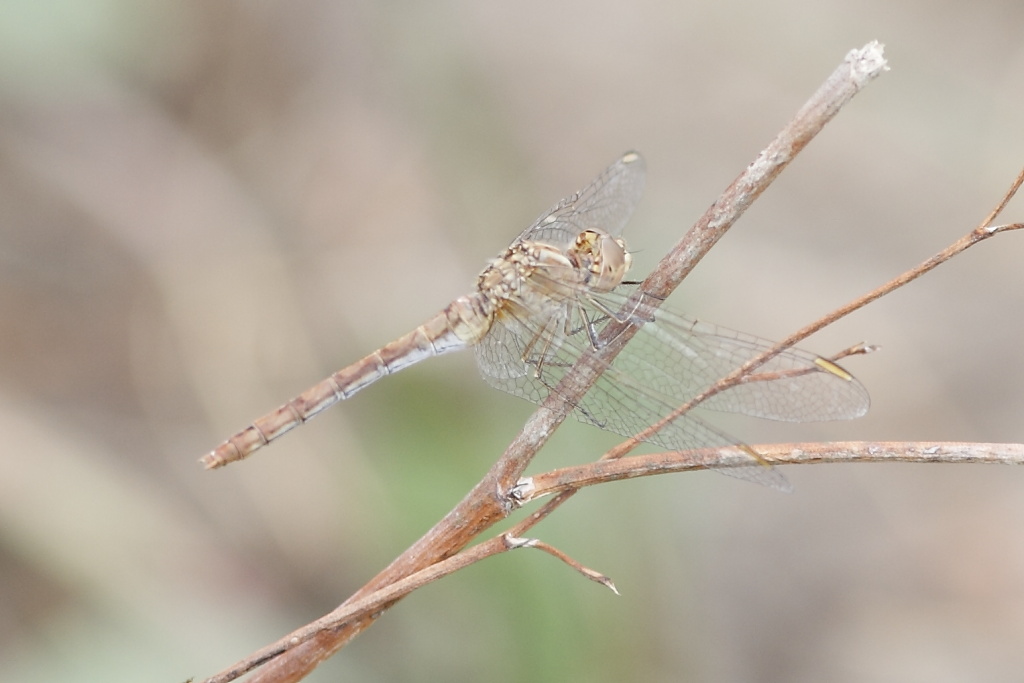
(513, 542)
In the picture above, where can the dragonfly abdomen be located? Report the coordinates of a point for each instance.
(440, 334)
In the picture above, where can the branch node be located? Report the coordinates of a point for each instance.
(522, 492)
(514, 542)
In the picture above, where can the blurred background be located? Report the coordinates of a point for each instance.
(206, 207)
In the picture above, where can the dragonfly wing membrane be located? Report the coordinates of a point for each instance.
(617, 402)
(607, 203)
(681, 357)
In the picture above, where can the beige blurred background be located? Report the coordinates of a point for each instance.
(206, 207)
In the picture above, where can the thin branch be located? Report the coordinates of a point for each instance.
(858, 69)
(487, 502)
(1018, 181)
(602, 471)
(594, 575)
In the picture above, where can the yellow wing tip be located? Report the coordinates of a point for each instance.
(829, 366)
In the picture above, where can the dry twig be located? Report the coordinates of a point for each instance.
(605, 470)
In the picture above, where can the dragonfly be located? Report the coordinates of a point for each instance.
(549, 298)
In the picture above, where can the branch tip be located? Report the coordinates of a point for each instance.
(868, 62)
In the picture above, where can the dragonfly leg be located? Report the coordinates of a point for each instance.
(538, 359)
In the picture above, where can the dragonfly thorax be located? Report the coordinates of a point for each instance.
(510, 275)
(533, 277)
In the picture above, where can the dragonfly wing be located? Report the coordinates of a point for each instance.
(501, 354)
(617, 402)
(606, 203)
(680, 357)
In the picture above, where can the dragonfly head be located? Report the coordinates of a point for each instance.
(602, 258)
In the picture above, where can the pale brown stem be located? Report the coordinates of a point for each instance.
(602, 471)
(514, 542)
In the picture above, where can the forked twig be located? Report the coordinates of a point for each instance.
(488, 501)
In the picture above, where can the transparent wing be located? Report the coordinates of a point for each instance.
(669, 362)
(680, 357)
(605, 203)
